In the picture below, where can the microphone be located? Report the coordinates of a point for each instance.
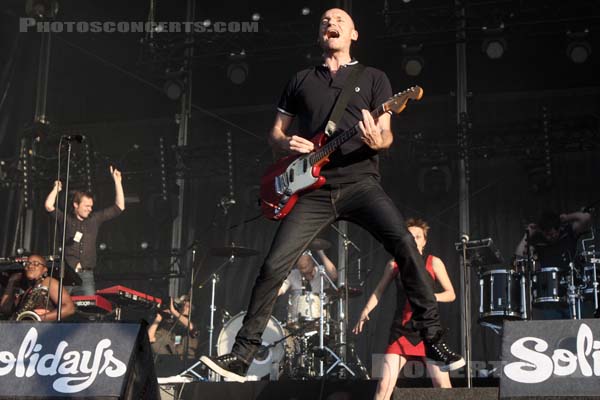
(464, 238)
(74, 138)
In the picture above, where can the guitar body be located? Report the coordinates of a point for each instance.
(291, 176)
(283, 182)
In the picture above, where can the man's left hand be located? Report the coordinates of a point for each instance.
(371, 131)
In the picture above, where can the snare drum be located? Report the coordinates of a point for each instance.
(548, 286)
(303, 307)
(501, 296)
(267, 355)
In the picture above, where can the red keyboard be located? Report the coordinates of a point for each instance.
(92, 304)
(126, 297)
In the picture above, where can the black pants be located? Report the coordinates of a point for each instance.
(364, 203)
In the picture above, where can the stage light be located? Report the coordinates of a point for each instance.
(413, 65)
(206, 23)
(237, 73)
(144, 245)
(579, 49)
(494, 48)
(305, 11)
(41, 9)
(237, 70)
(102, 246)
(256, 17)
(434, 180)
(174, 88)
(579, 52)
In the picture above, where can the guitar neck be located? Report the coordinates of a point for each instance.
(341, 138)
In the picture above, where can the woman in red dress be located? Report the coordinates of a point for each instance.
(401, 346)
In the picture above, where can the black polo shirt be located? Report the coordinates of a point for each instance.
(84, 251)
(310, 96)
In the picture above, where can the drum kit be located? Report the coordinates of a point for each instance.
(301, 347)
(512, 293)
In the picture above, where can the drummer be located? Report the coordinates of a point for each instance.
(553, 243)
(305, 275)
(553, 237)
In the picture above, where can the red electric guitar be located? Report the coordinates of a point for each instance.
(293, 175)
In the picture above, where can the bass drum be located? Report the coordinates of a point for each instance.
(266, 355)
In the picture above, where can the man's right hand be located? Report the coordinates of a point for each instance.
(57, 186)
(298, 144)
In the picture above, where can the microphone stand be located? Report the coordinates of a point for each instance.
(186, 347)
(466, 314)
(64, 232)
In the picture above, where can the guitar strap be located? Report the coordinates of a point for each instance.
(343, 98)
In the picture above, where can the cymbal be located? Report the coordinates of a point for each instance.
(236, 251)
(352, 292)
(319, 244)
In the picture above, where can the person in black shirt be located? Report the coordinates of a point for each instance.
(553, 244)
(352, 192)
(82, 230)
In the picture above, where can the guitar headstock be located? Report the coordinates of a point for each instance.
(397, 102)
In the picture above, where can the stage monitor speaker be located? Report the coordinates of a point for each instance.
(76, 360)
(557, 359)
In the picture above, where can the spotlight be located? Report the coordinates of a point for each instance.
(579, 52)
(413, 65)
(41, 9)
(256, 17)
(434, 180)
(494, 47)
(237, 72)
(578, 49)
(174, 88)
(206, 23)
(144, 245)
(102, 246)
(305, 11)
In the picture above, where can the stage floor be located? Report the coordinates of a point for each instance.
(326, 390)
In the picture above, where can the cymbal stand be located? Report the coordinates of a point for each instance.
(589, 250)
(213, 308)
(343, 279)
(322, 349)
(527, 274)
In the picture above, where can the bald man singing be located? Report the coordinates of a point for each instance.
(352, 192)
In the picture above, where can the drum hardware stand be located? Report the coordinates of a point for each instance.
(590, 250)
(573, 294)
(526, 274)
(214, 278)
(343, 300)
(322, 350)
(497, 329)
